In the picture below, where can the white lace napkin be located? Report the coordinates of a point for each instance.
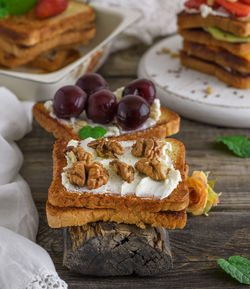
(158, 19)
(23, 264)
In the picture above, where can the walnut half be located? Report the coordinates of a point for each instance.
(152, 168)
(122, 169)
(149, 148)
(76, 174)
(80, 154)
(106, 148)
(97, 176)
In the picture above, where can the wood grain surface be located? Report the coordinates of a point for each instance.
(195, 249)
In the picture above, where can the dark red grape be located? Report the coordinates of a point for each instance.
(142, 87)
(69, 101)
(91, 83)
(132, 112)
(101, 106)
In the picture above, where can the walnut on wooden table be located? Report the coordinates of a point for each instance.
(149, 148)
(77, 174)
(124, 170)
(152, 168)
(106, 148)
(97, 176)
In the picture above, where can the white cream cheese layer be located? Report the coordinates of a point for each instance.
(112, 129)
(142, 186)
(206, 10)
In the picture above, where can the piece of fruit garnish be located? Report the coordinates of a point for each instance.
(91, 83)
(48, 8)
(69, 101)
(201, 194)
(101, 106)
(15, 7)
(141, 87)
(132, 112)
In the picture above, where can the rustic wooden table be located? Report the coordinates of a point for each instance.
(195, 249)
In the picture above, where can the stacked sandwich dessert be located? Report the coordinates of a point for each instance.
(112, 162)
(46, 34)
(216, 39)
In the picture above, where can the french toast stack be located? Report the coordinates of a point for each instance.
(46, 43)
(217, 39)
(134, 182)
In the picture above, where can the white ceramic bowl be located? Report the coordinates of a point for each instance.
(28, 85)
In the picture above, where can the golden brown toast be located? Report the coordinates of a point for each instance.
(231, 78)
(58, 196)
(168, 124)
(56, 59)
(218, 56)
(64, 217)
(203, 37)
(236, 26)
(71, 38)
(27, 30)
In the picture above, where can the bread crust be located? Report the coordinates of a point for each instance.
(28, 30)
(58, 196)
(203, 37)
(168, 124)
(234, 80)
(64, 217)
(236, 26)
(221, 57)
(25, 55)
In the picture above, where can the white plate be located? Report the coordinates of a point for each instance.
(28, 85)
(184, 90)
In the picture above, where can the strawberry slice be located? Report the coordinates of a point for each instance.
(245, 1)
(237, 8)
(48, 8)
(194, 4)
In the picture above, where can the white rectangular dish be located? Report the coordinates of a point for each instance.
(29, 85)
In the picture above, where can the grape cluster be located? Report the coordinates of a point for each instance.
(91, 93)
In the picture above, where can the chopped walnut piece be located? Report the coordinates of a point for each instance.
(149, 148)
(76, 174)
(106, 148)
(97, 176)
(152, 168)
(81, 154)
(124, 170)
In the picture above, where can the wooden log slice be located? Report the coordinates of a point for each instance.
(110, 249)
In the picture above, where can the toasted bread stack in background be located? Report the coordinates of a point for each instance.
(124, 194)
(46, 43)
(217, 39)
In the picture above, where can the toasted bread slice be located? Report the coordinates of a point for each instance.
(218, 56)
(236, 26)
(203, 37)
(28, 54)
(22, 51)
(168, 124)
(56, 59)
(233, 79)
(64, 217)
(27, 30)
(58, 196)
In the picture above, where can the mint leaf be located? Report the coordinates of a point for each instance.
(238, 267)
(98, 132)
(239, 145)
(94, 132)
(3, 8)
(17, 7)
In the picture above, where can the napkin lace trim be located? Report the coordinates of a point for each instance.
(47, 281)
